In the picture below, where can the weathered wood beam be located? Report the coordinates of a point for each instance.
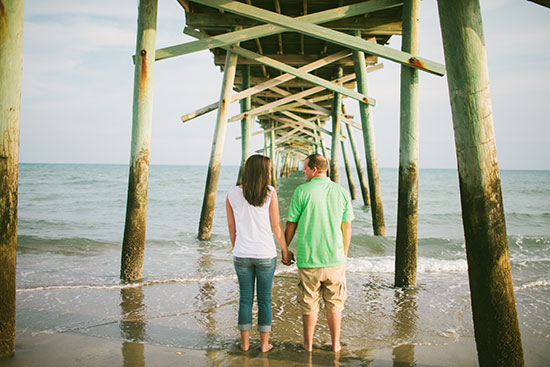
(11, 66)
(270, 29)
(293, 59)
(406, 242)
(496, 326)
(210, 190)
(246, 122)
(293, 71)
(336, 132)
(373, 25)
(369, 142)
(267, 84)
(329, 35)
(289, 98)
(133, 242)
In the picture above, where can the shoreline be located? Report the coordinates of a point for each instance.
(71, 349)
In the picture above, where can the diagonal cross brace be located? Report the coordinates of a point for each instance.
(293, 71)
(326, 34)
(270, 29)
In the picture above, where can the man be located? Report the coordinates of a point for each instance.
(321, 211)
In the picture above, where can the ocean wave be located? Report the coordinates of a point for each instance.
(386, 264)
(115, 286)
(541, 283)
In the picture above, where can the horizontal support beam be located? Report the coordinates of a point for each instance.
(293, 71)
(266, 84)
(270, 29)
(373, 25)
(326, 34)
(289, 98)
(294, 60)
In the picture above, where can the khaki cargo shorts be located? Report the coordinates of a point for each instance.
(330, 282)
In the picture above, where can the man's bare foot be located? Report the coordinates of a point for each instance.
(266, 348)
(245, 347)
(308, 348)
(336, 348)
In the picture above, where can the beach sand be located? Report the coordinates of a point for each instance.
(193, 324)
(73, 349)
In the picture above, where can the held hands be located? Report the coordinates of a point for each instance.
(288, 258)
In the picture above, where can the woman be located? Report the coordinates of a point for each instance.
(253, 219)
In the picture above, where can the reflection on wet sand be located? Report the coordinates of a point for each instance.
(404, 327)
(133, 326)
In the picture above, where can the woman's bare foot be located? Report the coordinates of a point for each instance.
(336, 348)
(245, 347)
(266, 348)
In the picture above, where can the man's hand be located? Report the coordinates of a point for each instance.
(288, 258)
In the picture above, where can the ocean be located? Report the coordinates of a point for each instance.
(70, 227)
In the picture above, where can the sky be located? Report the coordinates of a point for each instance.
(78, 83)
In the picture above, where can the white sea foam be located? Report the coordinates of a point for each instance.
(217, 278)
(386, 264)
(535, 284)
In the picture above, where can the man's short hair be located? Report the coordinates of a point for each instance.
(317, 160)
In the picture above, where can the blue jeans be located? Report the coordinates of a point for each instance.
(261, 272)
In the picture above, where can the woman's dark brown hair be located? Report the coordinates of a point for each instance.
(255, 179)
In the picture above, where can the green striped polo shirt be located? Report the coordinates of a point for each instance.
(320, 206)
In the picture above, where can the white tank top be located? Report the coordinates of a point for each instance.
(254, 237)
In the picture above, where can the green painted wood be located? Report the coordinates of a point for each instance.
(347, 167)
(11, 61)
(270, 29)
(369, 141)
(246, 121)
(267, 108)
(358, 166)
(296, 72)
(326, 34)
(265, 85)
(209, 200)
(133, 243)
(336, 122)
(407, 201)
(373, 24)
(272, 153)
(496, 327)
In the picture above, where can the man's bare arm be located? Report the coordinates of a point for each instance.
(346, 232)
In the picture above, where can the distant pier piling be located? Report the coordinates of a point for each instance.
(246, 122)
(209, 200)
(496, 327)
(11, 61)
(407, 202)
(336, 122)
(133, 243)
(358, 166)
(349, 175)
(378, 224)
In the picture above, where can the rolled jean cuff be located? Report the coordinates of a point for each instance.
(264, 328)
(245, 327)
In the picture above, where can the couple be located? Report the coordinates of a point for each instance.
(321, 212)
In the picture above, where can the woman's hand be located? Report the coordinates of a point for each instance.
(288, 258)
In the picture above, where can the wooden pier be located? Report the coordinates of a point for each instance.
(295, 65)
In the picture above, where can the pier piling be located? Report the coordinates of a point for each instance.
(367, 124)
(349, 175)
(336, 117)
(209, 200)
(246, 121)
(494, 312)
(133, 243)
(407, 202)
(358, 166)
(11, 61)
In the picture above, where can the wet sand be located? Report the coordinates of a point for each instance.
(73, 349)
